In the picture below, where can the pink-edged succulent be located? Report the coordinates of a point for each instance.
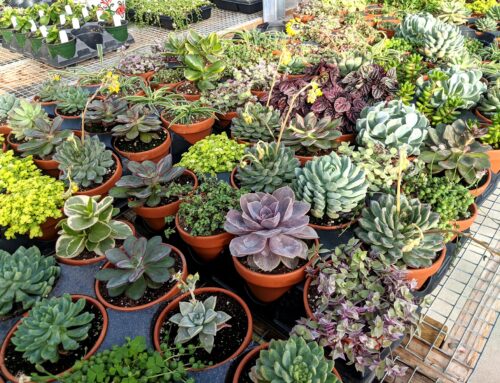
(270, 229)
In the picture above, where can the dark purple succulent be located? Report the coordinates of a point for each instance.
(270, 229)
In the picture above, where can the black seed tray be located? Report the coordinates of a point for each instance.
(242, 6)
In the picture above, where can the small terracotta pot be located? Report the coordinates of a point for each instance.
(49, 229)
(495, 160)
(464, 224)
(155, 154)
(206, 247)
(170, 86)
(351, 138)
(49, 167)
(5, 131)
(144, 76)
(92, 351)
(480, 190)
(258, 93)
(225, 119)
(12, 144)
(104, 188)
(335, 227)
(210, 290)
(292, 76)
(232, 178)
(188, 97)
(421, 275)
(91, 261)
(47, 106)
(269, 287)
(303, 18)
(155, 216)
(482, 118)
(192, 133)
(169, 295)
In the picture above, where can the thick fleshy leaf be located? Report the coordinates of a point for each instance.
(247, 245)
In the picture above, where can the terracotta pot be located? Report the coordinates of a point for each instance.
(464, 224)
(169, 295)
(155, 216)
(49, 167)
(189, 97)
(104, 188)
(232, 178)
(92, 351)
(192, 133)
(495, 160)
(482, 118)
(48, 106)
(480, 190)
(351, 138)
(303, 18)
(210, 290)
(206, 247)
(170, 86)
(225, 119)
(12, 144)
(49, 229)
(269, 287)
(421, 275)
(292, 76)
(155, 154)
(144, 76)
(258, 93)
(91, 261)
(305, 299)
(335, 227)
(389, 33)
(5, 131)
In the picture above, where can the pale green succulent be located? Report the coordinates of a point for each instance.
(494, 13)
(331, 184)
(489, 105)
(453, 12)
(7, 103)
(256, 122)
(393, 125)
(486, 24)
(351, 62)
(24, 116)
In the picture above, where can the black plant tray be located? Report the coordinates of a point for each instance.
(204, 13)
(242, 6)
(486, 38)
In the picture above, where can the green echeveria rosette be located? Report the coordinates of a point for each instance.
(489, 105)
(256, 122)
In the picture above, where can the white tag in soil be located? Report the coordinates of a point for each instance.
(13, 20)
(75, 22)
(40, 13)
(62, 19)
(33, 26)
(43, 30)
(63, 36)
(85, 12)
(68, 10)
(117, 20)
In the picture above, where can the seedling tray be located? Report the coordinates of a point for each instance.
(242, 6)
(203, 13)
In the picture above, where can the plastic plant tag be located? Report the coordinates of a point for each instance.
(75, 22)
(33, 26)
(43, 30)
(117, 20)
(85, 12)
(62, 19)
(41, 13)
(68, 10)
(13, 20)
(99, 14)
(63, 36)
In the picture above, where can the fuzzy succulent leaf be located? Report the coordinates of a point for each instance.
(256, 122)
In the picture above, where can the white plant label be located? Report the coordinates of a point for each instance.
(13, 20)
(33, 26)
(63, 36)
(40, 13)
(99, 14)
(62, 19)
(85, 12)
(76, 23)
(43, 30)
(117, 20)
(68, 10)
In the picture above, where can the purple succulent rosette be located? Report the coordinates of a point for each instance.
(270, 229)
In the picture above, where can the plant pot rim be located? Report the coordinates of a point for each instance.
(168, 295)
(482, 117)
(334, 227)
(473, 209)
(103, 189)
(476, 192)
(426, 271)
(44, 103)
(175, 303)
(13, 145)
(203, 237)
(195, 127)
(56, 111)
(227, 116)
(166, 143)
(92, 351)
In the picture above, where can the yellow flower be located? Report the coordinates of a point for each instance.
(56, 77)
(291, 28)
(286, 57)
(114, 87)
(314, 93)
(109, 74)
(247, 118)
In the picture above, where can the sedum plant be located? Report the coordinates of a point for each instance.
(64, 324)
(489, 105)
(137, 123)
(23, 117)
(396, 231)
(270, 229)
(267, 166)
(25, 277)
(7, 103)
(492, 137)
(256, 122)
(89, 226)
(393, 125)
(332, 185)
(481, 6)
(72, 101)
(258, 76)
(84, 162)
(139, 265)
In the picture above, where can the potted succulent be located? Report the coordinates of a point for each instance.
(119, 32)
(140, 274)
(191, 120)
(70, 106)
(255, 122)
(294, 68)
(270, 251)
(21, 118)
(49, 95)
(139, 135)
(7, 103)
(492, 138)
(199, 318)
(56, 47)
(28, 276)
(88, 230)
(100, 117)
(139, 65)
(122, 86)
(489, 104)
(201, 217)
(86, 163)
(78, 326)
(166, 78)
(257, 77)
(155, 191)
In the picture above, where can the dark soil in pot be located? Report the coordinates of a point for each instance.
(227, 340)
(188, 229)
(477, 185)
(16, 364)
(137, 145)
(245, 374)
(109, 173)
(187, 88)
(326, 221)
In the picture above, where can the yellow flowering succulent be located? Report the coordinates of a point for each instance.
(314, 93)
(292, 27)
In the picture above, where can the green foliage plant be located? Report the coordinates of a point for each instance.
(256, 122)
(7, 103)
(185, 112)
(23, 117)
(72, 100)
(228, 96)
(43, 139)
(480, 7)
(492, 137)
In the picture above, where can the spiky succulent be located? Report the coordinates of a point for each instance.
(489, 104)
(84, 162)
(148, 183)
(23, 117)
(72, 100)
(25, 277)
(486, 24)
(453, 149)
(63, 323)
(256, 122)
(137, 123)
(311, 134)
(44, 138)
(104, 112)
(397, 232)
(453, 12)
(140, 265)
(7, 103)
(432, 37)
(293, 361)
(197, 318)
(393, 125)
(348, 62)
(270, 229)
(494, 13)
(89, 226)
(331, 184)
(266, 167)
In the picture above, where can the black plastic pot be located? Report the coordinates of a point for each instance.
(35, 43)
(20, 39)
(203, 13)
(65, 50)
(120, 33)
(91, 39)
(242, 6)
(7, 36)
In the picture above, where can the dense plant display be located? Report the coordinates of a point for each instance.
(256, 122)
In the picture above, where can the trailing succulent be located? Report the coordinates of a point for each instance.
(89, 226)
(270, 229)
(150, 182)
(23, 117)
(393, 125)
(454, 150)
(331, 184)
(256, 122)
(63, 323)
(25, 277)
(137, 123)
(84, 162)
(293, 361)
(139, 265)
(396, 231)
(267, 167)
(7, 103)
(489, 105)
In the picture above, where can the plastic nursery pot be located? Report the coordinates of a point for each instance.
(269, 287)
(208, 290)
(188, 97)
(91, 352)
(225, 119)
(36, 44)
(7, 35)
(192, 133)
(167, 296)
(480, 189)
(464, 224)
(48, 106)
(206, 247)
(155, 154)
(155, 216)
(70, 122)
(494, 160)
(482, 118)
(334, 227)
(65, 50)
(120, 32)
(104, 188)
(90, 261)
(20, 39)
(422, 275)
